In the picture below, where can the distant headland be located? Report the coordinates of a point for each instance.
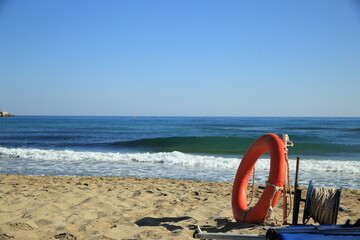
(6, 114)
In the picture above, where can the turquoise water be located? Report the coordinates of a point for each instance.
(201, 148)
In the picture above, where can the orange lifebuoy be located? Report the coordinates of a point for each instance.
(272, 144)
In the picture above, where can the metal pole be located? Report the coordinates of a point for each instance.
(297, 173)
(297, 195)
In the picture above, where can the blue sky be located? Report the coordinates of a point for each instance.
(180, 58)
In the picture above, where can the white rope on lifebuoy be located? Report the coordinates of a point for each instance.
(271, 210)
(287, 143)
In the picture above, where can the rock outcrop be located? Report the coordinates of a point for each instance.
(6, 114)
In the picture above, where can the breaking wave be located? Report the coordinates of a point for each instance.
(174, 158)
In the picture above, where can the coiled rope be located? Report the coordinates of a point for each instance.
(324, 202)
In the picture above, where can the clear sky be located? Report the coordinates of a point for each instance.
(180, 58)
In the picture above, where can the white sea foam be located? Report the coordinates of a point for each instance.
(175, 159)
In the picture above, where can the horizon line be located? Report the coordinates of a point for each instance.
(184, 116)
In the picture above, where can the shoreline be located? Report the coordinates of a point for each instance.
(51, 207)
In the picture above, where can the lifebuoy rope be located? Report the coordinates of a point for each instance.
(244, 214)
(271, 212)
(287, 143)
(270, 209)
(252, 187)
(252, 195)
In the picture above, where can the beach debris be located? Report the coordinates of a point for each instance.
(201, 235)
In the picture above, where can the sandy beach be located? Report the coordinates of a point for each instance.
(48, 207)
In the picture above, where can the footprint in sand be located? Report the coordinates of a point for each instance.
(4, 236)
(43, 222)
(20, 226)
(103, 237)
(63, 236)
(149, 234)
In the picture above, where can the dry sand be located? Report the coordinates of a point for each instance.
(48, 207)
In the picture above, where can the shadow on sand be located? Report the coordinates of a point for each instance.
(166, 222)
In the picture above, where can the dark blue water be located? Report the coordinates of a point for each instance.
(56, 145)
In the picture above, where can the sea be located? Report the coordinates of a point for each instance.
(194, 148)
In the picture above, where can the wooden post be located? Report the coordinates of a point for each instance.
(285, 204)
(287, 143)
(285, 139)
